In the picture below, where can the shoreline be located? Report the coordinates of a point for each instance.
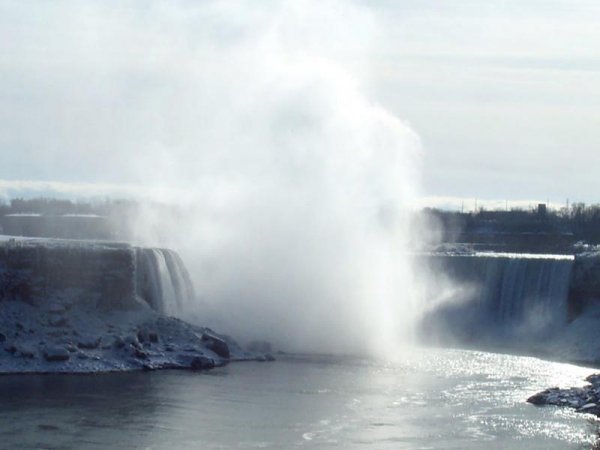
(50, 337)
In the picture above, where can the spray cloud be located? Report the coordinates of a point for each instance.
(248, 115)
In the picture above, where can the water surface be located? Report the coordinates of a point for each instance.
(428, 399)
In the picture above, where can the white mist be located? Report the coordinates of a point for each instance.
(291, 189)
(298, 188)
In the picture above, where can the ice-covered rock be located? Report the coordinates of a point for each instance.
(75, 306)
(57, 321)
(88, 342)
(10, 348)
(216, 344)
(106, 274)
(26, 350)
(584, 399)
(147, 336)
(118, 342)
(132, 341)
(55, 353)
(201, 363)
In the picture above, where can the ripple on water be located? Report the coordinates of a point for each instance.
(429, 398)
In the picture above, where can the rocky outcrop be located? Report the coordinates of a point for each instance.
(584, 399)
(79, 307)
(93, 340)
(56, 353)
(216, 344)
(110, 275)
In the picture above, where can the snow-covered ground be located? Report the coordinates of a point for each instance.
(79, 307)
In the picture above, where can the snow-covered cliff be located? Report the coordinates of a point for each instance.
(87, 306)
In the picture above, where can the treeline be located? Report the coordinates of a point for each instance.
(119, 219)
(579, 221)
(54, 206)
(584, 221)
(115, 218)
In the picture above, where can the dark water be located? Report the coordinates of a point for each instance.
(427, 399)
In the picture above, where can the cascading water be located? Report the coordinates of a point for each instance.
(502, 293)
(162, 280)
(182, 287)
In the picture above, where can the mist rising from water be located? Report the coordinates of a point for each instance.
(304, 234)
(295, 188)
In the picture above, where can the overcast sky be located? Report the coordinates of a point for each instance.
(504, 95)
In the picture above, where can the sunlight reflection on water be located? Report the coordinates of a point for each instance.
(427, 398)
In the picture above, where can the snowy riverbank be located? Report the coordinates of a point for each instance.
(61, 336)
(80, 307)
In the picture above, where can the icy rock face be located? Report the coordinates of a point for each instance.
(81, 307)
(36, 268)
(110, 275)
(585, 283)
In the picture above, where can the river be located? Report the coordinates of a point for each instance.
(425, 399)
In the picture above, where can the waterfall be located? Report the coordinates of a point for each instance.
(520, 289)
(503, 292)
(162, 280)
